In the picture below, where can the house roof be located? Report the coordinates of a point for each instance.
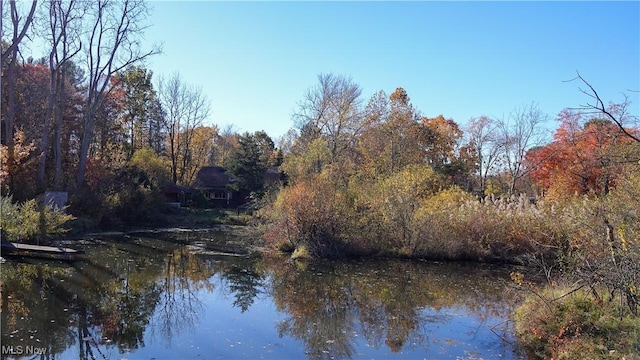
(213, 177)
(170, 188)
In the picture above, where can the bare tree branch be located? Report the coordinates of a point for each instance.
(113, 46)
(599, 107)
(519, 132)
(10, 58)
(18, 34)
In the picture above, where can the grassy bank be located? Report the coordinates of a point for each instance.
(562, 323)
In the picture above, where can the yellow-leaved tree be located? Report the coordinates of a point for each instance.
(396, 199)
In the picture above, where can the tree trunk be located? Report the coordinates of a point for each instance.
(11, 113)
(44, 140)
(87, 138)
(12, 53)
(57, 134)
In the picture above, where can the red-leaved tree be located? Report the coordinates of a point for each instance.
(585, 156)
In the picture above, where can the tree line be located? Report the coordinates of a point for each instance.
(378, 178)
(90, 119)
(336, 130)
(364, 176)
(384, 159)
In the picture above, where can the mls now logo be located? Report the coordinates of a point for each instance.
(23, 350)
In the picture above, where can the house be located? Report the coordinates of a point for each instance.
(215, 183)
(178, 196)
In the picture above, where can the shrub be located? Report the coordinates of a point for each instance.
(575, 326)
(393, 201)
(122, 196)
(309, 213)
(605, 245)
(439, 226)
(26, 221)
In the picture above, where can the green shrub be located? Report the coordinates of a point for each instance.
(27, 220)
(199, 201)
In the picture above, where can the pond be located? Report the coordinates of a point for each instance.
(169, 295)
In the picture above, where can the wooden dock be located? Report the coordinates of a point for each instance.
(49, 252)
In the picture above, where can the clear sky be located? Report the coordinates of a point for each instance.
(255, 60)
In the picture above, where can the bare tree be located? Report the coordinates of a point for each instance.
(113, 44)
(519, 132)
(198, 109)
(63, 25)
(618, 113)
(18, 28)
(287, 140)
(186, 108)
(172, 93)
(483, 137)
(333, 107)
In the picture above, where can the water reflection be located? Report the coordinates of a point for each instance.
(245, 284)
(395, 303)
(143, 295)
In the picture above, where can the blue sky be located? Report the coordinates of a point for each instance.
(255, 60)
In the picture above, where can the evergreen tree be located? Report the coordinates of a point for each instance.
(248, 165)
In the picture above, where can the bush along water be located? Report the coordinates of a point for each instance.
(28, 220)
(589, 241)
(565, 323)
(596, 317)
(412, 217)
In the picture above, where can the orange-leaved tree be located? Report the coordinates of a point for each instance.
(585, 156)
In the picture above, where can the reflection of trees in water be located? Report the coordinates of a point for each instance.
(186, 275)
(126, 325)
(392, 302)
(183, 276)
(30, 300)
(110, 300)
(321, 318)
(126, 290)
(116, 297)
(318, 304)
(244, 282)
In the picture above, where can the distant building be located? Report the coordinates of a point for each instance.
(215, 183)
(178, 196)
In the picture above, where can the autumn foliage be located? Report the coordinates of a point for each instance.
(586, 156)
(310, 214)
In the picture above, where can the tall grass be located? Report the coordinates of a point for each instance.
(449, 225)
(453, 225)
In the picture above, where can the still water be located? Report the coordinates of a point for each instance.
(171, 296)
